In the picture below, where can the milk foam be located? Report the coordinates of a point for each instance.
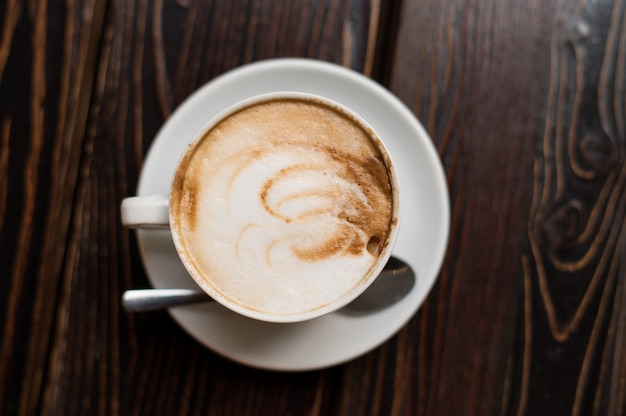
(282, 206)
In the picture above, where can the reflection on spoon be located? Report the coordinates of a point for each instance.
(394, 282)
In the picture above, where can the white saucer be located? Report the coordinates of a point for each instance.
(422, 240)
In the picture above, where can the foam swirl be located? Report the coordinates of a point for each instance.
(340, 202)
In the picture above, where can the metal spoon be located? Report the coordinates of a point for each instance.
(393, 283)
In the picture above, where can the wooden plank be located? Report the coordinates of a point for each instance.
(574, 269)
(525, 101)
(47, 64)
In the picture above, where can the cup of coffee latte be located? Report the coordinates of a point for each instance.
(283, 208)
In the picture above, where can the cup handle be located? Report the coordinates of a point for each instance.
(150, 211)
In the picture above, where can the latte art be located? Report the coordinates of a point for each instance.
(322, 194)
(284, 206)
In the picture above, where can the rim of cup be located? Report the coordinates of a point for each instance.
(365, 281)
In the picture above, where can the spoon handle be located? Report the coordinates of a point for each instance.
(142, 300)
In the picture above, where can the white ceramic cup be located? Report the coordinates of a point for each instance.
(156, 211)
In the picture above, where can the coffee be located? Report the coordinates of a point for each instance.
(283, 206)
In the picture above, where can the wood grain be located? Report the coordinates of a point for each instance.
(525, 102)
(46, 73)
(574, 317)
(527, 118)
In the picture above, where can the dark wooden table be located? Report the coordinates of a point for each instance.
(525, 101)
